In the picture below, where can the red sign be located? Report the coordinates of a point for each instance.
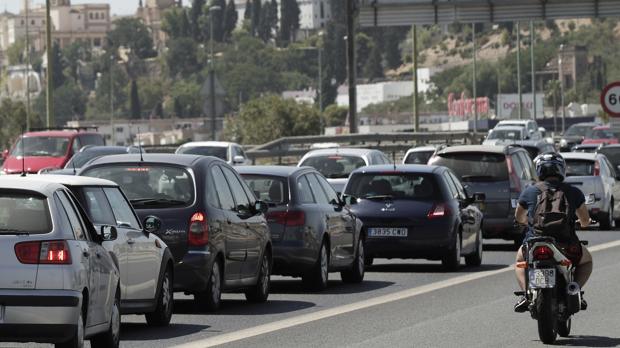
(465, 106)
(610, 99)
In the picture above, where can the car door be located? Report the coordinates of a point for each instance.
(143, 260)
(616, 188)
(469, 218)
(607, 178)
(258, 229)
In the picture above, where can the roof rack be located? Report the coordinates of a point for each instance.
(77, 129)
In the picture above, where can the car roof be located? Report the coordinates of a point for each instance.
(601, 127)
(208, 143)
(422, 148)
(587, 146)
(499, 149)
(74, 180)
(106, 148)
(154, 158)
(583, 124)
(403, 168)
(510, 128)
(56, 133)
(272, 170)
(524, 122)
(29, 183)
(609, 145)
(580, 155)
(535, 143)
(351, 151)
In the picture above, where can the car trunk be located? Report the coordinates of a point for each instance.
(497, 203)
(174, 227)
(587, 184)
(14, 274)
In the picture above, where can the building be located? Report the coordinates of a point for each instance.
(151, 14)
(17, 83)
(306, 96)
(314, 14)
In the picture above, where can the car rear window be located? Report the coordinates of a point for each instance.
(215, 151)
(475, 166)
(397, 185)
(418, 157)
(579, 168)
(41, 147)
(604, 134)
(612, 154)
(335, 166)
(24, 212)
(579, 131)
(505, 134)
(270, 189)
(149, 184)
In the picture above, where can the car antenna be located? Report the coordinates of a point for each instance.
(23, 153)
(140, 145)
(394, 159)
(73, 165)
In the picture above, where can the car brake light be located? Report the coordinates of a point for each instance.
(46, 252)
(198, 230)
(287, 218)
(438, 211)
(597, 168)
(542, 253)
(515, 183)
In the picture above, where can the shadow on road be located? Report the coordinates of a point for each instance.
(143, 332)
(501, 247)
(427, 268)
(589, 341)
(243, 307)
(335, 287)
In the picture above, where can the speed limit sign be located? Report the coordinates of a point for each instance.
(610, 99)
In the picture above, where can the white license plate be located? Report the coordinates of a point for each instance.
(542, 278)
(387, 232)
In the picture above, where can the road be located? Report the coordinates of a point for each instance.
(402, 303)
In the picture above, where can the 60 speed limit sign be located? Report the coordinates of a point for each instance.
(610, 99)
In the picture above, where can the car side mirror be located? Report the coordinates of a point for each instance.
(349, 200)
(5, 154)
(108, 233)
(238, 160)
(479, 197)
(261, 207)
(151, 224)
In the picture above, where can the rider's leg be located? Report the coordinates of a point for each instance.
(584, 269)
(520, 272)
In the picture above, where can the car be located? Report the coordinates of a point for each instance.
(501, 173)
(535, 147)
(602, 135)
(612, 152)
(505, 135)
(143, 259)
(575, 134)
(57, 282)
(596, 178)
(48, 148)
(211, 221)
(416, 211)
(420, 154)
(535, 132)
(232, 153)
(312, 231)
(86, 154)
(587, 148)
(336, 164)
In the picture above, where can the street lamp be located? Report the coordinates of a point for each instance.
(319, 49)
(212, 10)
(561, 76)
(112, 100)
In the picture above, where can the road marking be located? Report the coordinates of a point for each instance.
(327, 313)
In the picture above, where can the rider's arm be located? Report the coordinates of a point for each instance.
(583, 216)
(521, 215)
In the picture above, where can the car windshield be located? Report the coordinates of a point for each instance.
(604, 134)
(335, 166)
(41, 147)
(418, 157)
(149, 185)
(23, 213)
(579, 167)
(270, 189)
(475, 166)
(392, 186)
(584, 131)
(505, 134)
(215, 151)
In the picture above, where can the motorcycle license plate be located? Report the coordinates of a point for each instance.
(542, 278)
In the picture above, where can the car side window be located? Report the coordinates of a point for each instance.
(451, 186)
(76, 146)
(612, 171)
(525, 173)
(77, 225)
(226, 200)
(211, 192)
(121, 208)
(604, 169)
(457, 184)
(317, 190)
(241, 152)
(332, 196)
(97, 205)
(243, 203)
(529, 166)
(303, 191)
(518, 166)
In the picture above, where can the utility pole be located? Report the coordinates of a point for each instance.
(520, 109)
(27, 9)
(532, 62)
(351, 66)
(561, 76)
(212, 9)
(112, 101)
(475, 92)
(416, 110)
(320, 84)
(49, 97)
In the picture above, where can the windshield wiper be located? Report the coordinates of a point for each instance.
(379, 197)
(13, 231)
(157, 201)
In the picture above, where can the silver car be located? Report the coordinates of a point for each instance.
(144, 260)
(57, 282)
(232, 153)
(594, 176)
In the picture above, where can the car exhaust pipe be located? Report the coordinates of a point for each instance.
(573, 298)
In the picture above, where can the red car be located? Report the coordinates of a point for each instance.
(50, 149)
(602, 135)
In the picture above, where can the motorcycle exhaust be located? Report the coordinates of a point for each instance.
(573, 300)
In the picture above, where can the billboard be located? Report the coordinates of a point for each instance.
(508, 105)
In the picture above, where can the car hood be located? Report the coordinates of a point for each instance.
(32, 164)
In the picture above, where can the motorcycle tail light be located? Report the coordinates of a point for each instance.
(542, 253)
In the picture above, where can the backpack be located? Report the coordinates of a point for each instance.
(551, 216)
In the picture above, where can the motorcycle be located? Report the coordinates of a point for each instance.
(553, 295)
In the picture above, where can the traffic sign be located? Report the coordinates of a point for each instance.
(610, 99)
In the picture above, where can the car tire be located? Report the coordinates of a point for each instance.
(318, 276)
(110, 338)
(356, 273)
(165, 302)
(260, 292)
(452, 260)
(607, 221)
(77, 341)
(475, 258)
(211, 299)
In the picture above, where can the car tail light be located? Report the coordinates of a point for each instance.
(198, 230)
(287, 218)
(515, 183)
(542, 253)
(438, 211)
(54, 252)
(597, 168)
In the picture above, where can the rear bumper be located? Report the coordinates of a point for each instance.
(293, 257)
(500, 228)
(193, 272)
(46, 316)
(394, 247)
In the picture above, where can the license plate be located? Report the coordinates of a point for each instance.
(542, 278)
(387, 232)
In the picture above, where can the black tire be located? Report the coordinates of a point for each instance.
(368, 261)
(564, 328)
(211, 299)
(260, 292)
(165, 302)
(356, 273)
(77, 341)
(452, 260)
(607, 220)
(475, 258)
(112, 337)
(317, 278)
(547, 319)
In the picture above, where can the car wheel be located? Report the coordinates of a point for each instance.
(452, 260)
(368, 261)
(475, 259)
(260, 291)
(77, 341)
(356, 273)
(163, 312)
(317, 278)
(607, 221)
(112, 337)
(211, 298)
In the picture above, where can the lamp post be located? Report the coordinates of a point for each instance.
(561, 76)
(112, 100)
(319, 49)
(27, 9)
(212, 10)
(49, 97)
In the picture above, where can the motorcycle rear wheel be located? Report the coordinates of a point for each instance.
(547, 319)
(564, 328)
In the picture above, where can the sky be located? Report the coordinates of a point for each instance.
(118, 7)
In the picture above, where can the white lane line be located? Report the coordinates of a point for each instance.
(327, 313)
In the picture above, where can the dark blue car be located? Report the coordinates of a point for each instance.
(416, 212)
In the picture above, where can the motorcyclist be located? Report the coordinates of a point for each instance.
(551, 168)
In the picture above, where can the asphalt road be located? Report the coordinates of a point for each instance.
(402, 303)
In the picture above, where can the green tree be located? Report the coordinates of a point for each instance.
(335, 72)
(58, 66)
(289, 21)
(256, 15)
(268, 21)
(77, 53)
(181, 57)
(175, 23)
(16, 52)
(194, 19)
(230, 19)
(69, 103)
(335, 116)
(13, 119)
(186, 97)
(134, 101)
(152, 92)
(374, 67)
(391, 42)
(131, 33)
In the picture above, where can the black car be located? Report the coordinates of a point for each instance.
(312, 231)
(86, 154)
(575, 134)
(416, 211)
(587, 148)
(211, 221)
(535, 147)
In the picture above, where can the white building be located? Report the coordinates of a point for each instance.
(306, 96)
(314, 14)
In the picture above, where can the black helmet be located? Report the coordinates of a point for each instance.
(550, 164)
